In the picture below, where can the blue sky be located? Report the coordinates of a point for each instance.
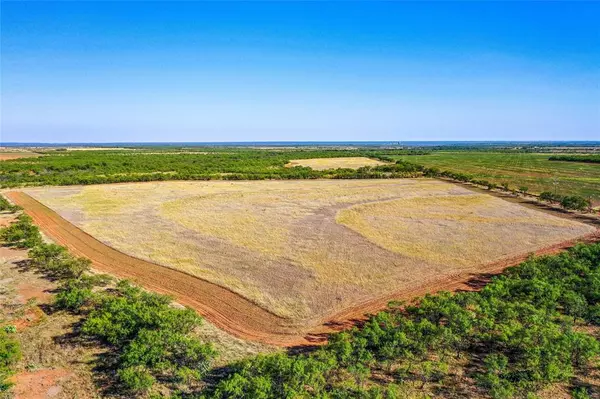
(275, 71)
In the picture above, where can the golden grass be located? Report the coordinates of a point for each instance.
(454, 230)
(334, 163)
(5, 156)
(306, 248)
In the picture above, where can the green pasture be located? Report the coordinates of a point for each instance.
(532, 170)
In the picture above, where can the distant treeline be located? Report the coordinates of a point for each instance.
(96, 167)
(576, 158)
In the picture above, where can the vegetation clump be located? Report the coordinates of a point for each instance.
(576, 158)
(10, 353)
(21, 234)
(7, 206)
(152, 338)
(570, 202)
(97, 167)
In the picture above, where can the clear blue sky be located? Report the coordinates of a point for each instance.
(192, 71)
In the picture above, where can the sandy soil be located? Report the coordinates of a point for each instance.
(232, 312)
(39, 384)
(16, 155)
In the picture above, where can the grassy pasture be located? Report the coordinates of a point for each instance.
(305, 249)
(334, 163)
(534, 171)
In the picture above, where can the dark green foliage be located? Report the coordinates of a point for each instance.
(55, 261)
(571, 202)
(151, 337)
(575, 202)
(136, 379)
(576, 158)
(9, 355)
(7, 206)
(76, 293)
(520, 325)
(581, 393)
(21, 234)
(95, 167)
(550, 197)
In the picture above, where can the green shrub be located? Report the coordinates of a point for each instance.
(550, 197)
(57, 262)
(21, 234)
(10, 329)
(73, 296)
(149, 335)
(7, 206)
(580, 393)
(10, 353)
(136, 379)
(574, 202)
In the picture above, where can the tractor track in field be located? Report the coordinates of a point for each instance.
(232, 312)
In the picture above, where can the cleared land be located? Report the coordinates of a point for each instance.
(304, 250)
(234, 313)
(534, 171)
(5, 156)
(334, 163)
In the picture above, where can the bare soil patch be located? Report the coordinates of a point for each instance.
(39, 384)
(16, 155)
(334, 163)
(38, 290)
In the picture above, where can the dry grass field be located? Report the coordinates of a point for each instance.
(5, 156)
(334, 163)
(306, 249)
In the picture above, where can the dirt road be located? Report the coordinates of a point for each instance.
(226, 309)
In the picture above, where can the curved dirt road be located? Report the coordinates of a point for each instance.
(222, 307)
(226, 309)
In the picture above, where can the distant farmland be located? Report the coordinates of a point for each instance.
(6, 156)
(534, 171)
(334, 163)
(311, 248)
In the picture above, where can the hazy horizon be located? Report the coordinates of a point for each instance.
(108, 72)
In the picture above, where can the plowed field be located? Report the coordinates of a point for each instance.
(400, 267)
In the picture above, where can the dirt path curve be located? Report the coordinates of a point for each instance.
(229, 310)
(222, 307)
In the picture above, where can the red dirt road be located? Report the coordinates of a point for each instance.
(224, 308)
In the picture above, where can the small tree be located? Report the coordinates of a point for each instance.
(524, 189)
(575, 202)
(549, 196)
